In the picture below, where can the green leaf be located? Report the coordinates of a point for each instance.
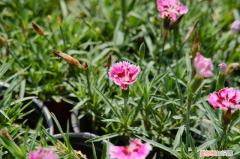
(111, 120)
(207, 144)
(31, 147)
(106, 101)
(136, 111)
(94, 151)
(104, 151)
(4, 114)
(108, 136)
(177, 138)
(173, 152)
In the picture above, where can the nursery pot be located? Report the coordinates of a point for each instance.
(77, 141)
(39, 110)
(62, 112)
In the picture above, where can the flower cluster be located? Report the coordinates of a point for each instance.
(135, 150)
(225, 98)
(171, 8)
(123, 73)
(41, 154)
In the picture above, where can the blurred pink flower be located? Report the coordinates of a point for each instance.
(235, 27)
(223, 68)
(123, 73)
(40, 154)
(225, 98)
(203, 66)
(172, 8)
(135, 150)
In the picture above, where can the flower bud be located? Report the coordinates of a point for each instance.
(38, 29)
(49, 18)
(59, 19)
(68, 58)
(226, 117)
(166, 22)
(235, 27)
(142, 51)
(155, 20)
(231, 68)
(23, 29)
(109, 60)
(176, 22)
(85, 66)
(223, 68)
(4, 133)
(191, 30)
(221, 76)
(195, 47)
(2, 41)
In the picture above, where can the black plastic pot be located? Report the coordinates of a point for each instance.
(39, 110)
(77, 141)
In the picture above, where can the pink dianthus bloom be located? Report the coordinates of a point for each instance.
(135, 150)
(203, 66)
(225, 98)
(235, 27)
(40, 154)
(171, 8)
(123, 73)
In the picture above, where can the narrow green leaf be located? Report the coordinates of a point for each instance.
(175, 153)
(94, 151)
(108, 136)
(136, 111)
(177, 138)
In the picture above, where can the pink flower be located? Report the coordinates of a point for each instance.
(225, 98)
(203, 66)
(40, 154)
(235, 27)
(135, 150)
(171, 8)
(223, 68)
(123, 73)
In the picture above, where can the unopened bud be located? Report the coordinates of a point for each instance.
(109, 60)
(166, 22)
(59, 19)
(2, 41)
(223, 68)
(85, 66)
(68, 58)
(98, 30)
(38, 29)
(49, 18)
(191, 31)
(142, 51)
(4, 133)
(227, 117)
(195, 47)
(231, 68)
(176, 22)
(23, 29)
(155, 20)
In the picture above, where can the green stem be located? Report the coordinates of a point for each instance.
(123, 12)
(125, 106)
(160, 57)
(50, 41)
(220, 142)
(88, 83)
(190, 95)
(179, 55)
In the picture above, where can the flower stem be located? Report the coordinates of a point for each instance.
(160, 57)
(190, 95)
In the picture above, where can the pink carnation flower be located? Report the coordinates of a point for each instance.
(225, 98)
(203, 66)
(123, 73)
(171, 8)
(135, 150)
(40, 154)
(235, 27)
